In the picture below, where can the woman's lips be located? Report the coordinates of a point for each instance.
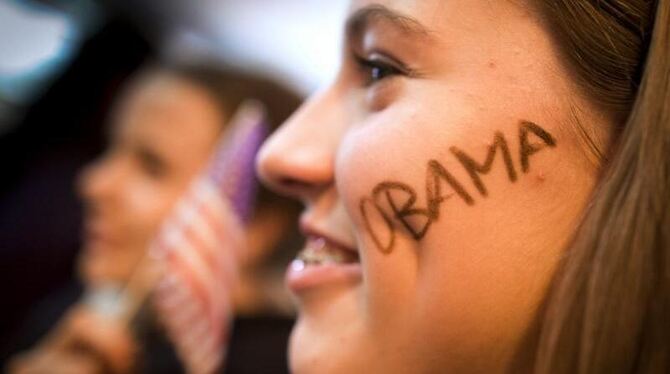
(322, 262)
(97, 238)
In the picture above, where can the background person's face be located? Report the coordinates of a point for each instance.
(160, 138)
(460, 296)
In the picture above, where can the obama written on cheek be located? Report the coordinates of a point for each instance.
(396, 202)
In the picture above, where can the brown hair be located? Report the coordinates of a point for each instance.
(608, 309)
(230, 87)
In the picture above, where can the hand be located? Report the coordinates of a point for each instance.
(46, 361)
(83, 342)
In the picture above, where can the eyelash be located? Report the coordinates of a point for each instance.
(377, 68)
(152, 165)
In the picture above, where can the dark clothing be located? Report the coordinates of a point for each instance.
(258, 344)
(158, 355)
(39, 321)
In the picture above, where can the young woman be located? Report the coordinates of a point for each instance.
(162, 133)
(486, 190)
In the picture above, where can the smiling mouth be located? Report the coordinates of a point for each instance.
(319, 251)
(95, 237)
(323, 262)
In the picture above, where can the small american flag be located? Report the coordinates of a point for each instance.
(200, 243)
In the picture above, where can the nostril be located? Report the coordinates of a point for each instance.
(290, 173)
(293, 183)
(292, 187)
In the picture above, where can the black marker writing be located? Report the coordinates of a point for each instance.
(474, 169)
(525, 149)
(397, 201)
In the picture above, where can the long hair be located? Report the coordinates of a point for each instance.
(608, 308)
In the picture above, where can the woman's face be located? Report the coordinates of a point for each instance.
(441, 180)
(161, 136)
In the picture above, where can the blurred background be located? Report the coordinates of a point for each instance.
(61, 64)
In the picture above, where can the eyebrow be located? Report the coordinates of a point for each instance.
(358, 22)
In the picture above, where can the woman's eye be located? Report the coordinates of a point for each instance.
(151, 164)
(376, 69)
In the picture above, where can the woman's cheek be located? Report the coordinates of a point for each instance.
(147, 205)
(364, 160)
(399, 184)
(369, 156)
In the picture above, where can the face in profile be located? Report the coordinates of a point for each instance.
(160, 137)
(441, 180)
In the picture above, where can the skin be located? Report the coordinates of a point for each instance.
(462, 298)
(68, 349)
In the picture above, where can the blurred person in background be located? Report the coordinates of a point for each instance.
(162, 132)
(57, 132)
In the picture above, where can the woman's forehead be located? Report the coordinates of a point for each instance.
(403, 16)
(168, 97)
(167, 110)
(431, 16)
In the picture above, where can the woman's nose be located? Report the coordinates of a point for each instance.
(96, 181)
(298, 159)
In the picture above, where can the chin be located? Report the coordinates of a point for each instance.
(94, 270)
(316, 348)
(309, 354)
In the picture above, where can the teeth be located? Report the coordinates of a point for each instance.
(319, 252)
